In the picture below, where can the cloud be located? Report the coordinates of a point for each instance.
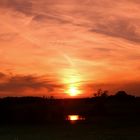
(100, 16)
(22, 83)
(2, 75)
(22, 6)
(44, 17)
(122, 28)
(7, 36)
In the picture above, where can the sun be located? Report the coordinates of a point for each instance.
(73, 91)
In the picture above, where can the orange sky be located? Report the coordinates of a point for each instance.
(49, 46)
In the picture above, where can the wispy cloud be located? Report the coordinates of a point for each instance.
(19, 84)
(119, 28)
(23, 6)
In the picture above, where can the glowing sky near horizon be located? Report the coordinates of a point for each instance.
(48, 47)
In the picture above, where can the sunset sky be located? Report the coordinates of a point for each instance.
(53, 47)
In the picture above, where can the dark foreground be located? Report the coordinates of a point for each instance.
(110, 130)
(106, 118)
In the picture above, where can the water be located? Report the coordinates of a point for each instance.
(75, 118)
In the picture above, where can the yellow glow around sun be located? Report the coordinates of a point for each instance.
(73, 91)
(72, 81)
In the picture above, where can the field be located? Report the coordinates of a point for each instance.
(79, 131)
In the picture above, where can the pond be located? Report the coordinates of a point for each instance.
(75, 118)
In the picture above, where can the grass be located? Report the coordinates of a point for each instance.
(71, 132)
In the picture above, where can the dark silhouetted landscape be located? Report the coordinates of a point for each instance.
(106, 117)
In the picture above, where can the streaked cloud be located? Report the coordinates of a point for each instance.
(25, 84)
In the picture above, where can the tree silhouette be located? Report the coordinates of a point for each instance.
(121, 94)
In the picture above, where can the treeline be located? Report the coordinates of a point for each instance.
(48, 110)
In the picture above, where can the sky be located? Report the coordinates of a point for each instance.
(54, 47)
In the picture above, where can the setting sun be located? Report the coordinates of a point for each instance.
(73, 91)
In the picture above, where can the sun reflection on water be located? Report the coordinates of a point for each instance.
(75, 118)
